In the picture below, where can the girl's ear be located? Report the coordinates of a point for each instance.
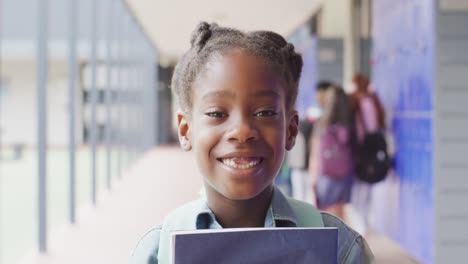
(292, 130)
(184, 131)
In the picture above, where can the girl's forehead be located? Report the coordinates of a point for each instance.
(234, 57)
(238, 73)
(239, 64)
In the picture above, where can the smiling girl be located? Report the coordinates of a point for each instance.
(236, 93)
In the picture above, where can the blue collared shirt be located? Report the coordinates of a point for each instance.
(278, 214)
(352, 248)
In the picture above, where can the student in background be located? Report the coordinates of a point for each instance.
(369, 118)
(331, 164)
(298, 158)
(236, 92)
(298, 161)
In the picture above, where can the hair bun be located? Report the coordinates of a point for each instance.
(288, 48)
(201, 34)
(294, 59)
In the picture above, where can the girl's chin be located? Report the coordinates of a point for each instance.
(236, 191)
(240, 197)
(242, 194)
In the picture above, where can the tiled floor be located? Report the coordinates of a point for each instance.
(160, 181)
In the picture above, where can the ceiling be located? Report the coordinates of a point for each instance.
(169, 23)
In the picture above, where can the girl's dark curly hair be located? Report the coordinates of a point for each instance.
(209, 39)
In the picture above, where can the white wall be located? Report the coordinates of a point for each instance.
(451, 125)
(336, 22)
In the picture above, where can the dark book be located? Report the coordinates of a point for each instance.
(255, 245)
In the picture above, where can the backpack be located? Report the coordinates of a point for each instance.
(335, 153)
(372, 159)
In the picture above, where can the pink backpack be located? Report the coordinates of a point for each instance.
(335, 153)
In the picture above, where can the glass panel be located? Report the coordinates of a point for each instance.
(58, 161)
(18, 129)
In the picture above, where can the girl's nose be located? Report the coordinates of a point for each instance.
(242, 131)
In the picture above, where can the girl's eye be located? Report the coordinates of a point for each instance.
(216, 114)
(266, 113)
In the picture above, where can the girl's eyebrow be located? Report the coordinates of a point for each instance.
(231, 95)
(267, 93)
(218, 94)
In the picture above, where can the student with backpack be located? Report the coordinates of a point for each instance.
(236, 94)
(372, 161)
(331, 162)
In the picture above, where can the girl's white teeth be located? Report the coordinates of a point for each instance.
(231, 163)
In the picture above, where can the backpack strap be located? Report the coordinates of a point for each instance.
(183, 218)
(147, 249)
(361, 118)
(153, 259)
(306, 214)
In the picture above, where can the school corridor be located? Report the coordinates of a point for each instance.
(89, 158)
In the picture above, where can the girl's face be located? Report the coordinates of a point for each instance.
(321, 98)
(239, 127)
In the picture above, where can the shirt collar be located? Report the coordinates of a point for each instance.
(281, 209)
(279, 214)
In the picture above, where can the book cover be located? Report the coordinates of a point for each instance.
(255, 245)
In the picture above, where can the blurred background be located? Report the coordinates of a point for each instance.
(88, 158)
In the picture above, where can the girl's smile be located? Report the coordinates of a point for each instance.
(241, 163)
